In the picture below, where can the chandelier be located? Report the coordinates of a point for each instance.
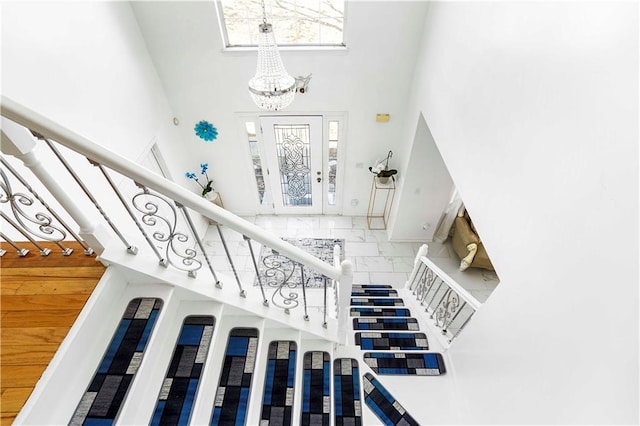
(272, 88)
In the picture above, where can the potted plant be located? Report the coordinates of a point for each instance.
(382, 171)
(207, 188)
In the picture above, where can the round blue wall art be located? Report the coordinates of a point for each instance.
(206, 131)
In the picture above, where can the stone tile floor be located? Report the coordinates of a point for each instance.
(375, 259)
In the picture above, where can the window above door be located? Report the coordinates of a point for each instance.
(296, 23)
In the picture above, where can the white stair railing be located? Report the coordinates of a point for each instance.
(449, 306)
(158, 202)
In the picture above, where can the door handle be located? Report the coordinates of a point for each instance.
(319, 179)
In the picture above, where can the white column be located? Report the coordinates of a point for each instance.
(20, 143)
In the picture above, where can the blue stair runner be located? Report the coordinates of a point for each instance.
(316, 402)
(376, 302)
(419, 364)
(181, 383)
(380, 312)
(409, 324)
(392, 341)
(232, 395)
(372, 286)
(374, 292)
(383, 404)
(277, 399)
(102, 401)
(346, 388)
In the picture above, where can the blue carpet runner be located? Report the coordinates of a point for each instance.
(181, 382)
(380, 312)
(409, 324)
(277, 399)
(373, 292)
(383, 404)
(346, 388)
(371, 286)
(316, 402)
(418, 364)
(102, 401)
(232, 397)
(392, 341)
(376, 302)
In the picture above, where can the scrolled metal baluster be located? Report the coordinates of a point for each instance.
(429, 279)
(233, 268)
(87, 250)
(446, 308)
(22, 252)
(435, 293)
(43, 250)
(47, 231)
(265, 302)
(456, 311)
(279, 270)
(165, 231)
(199, 241)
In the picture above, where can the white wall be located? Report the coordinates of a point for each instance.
(85, 65)
(534, 108)
(426, 191)
(202, 82)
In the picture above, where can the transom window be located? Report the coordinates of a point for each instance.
(295, 22)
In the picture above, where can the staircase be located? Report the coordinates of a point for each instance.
(173, 357)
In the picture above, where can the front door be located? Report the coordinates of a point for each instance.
(293, 146)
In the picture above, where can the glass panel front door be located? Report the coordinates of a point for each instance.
(294, 156)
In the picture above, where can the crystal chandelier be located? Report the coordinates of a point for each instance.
(272, 88)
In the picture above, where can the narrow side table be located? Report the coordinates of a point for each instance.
(380, 202)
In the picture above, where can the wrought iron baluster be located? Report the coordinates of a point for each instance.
(233, 267)
(47, 230)
(199, 241)
(435, 293)
(455, 311)
(87, 250)
(304, 292)
(265, 302)
(43, 250)
(417, 279)
(22, 252)
(165, 230)
(324, 319)
(279, 270)
(429, 281)
(445, 308)
(130, 249)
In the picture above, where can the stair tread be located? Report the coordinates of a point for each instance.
(405, 363)
(316, 406)
(410, 324)
(383, 404)
(365, 301)
(380, 312)
(346, 385)
(279, 391)
(391, 341)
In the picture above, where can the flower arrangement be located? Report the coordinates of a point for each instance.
(381, 169)
(205, 130)
(206, 188)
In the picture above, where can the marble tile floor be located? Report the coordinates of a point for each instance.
(375, 259)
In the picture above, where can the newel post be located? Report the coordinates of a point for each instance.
(344, 297)
(20, 143)
(422, 251)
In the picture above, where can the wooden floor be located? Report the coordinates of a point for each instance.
(41, 297)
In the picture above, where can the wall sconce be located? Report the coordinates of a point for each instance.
(302, 83)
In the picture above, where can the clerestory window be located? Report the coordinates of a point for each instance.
(295, 22)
